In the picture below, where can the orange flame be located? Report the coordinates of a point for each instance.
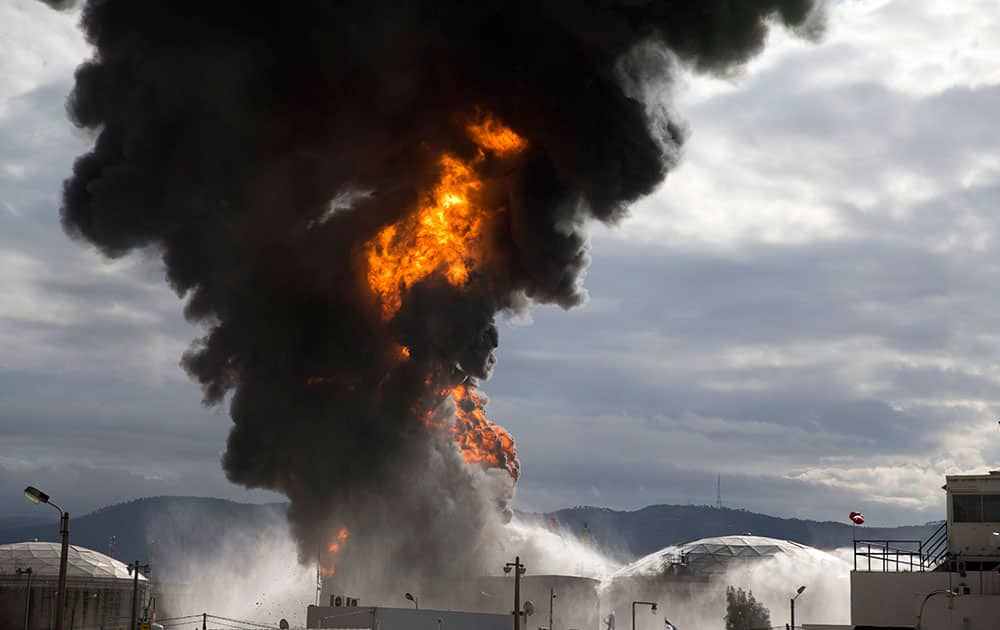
(481, 440)
(490, 134)
(330, 567)
(444, 234)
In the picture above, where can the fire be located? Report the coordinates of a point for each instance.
(490, 134)
(444, 234)
(405, 352)
(330, 567)
(481, 440)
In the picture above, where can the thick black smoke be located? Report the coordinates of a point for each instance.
(229, 134)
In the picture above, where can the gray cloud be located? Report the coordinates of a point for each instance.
(809, 306)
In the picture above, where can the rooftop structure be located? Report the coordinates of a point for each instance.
(713, 556)
(43, 558)
(950, 581)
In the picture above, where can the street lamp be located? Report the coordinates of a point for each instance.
(791, 603)
(36, 496)
(652, 605)
(920, 613)
(552, 597)
(414, 599)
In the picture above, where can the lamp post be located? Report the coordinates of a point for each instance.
(920, 613)
(27, 597)
(133, 570)
(519, 570)
(36, 496)
(552, 596)
(791, 603)
(413, 598)
(652, 605)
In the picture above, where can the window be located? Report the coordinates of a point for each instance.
(991, 508)
(975, 508)
(967, 508)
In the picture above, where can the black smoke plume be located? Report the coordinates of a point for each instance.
(259, 146)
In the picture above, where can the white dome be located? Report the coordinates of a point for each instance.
(43, 558)
(714, 555)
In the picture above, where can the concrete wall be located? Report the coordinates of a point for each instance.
(89, 604)
(893, 599)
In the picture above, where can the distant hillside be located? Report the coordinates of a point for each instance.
(146, 527)
(154, 526)
(644, 531)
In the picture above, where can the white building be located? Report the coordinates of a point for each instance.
(98, 588)
(949, 582)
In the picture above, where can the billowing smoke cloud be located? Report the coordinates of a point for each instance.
(288, 157)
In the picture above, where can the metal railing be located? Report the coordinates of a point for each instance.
(890, 555)
(902, 555)
(936, 547)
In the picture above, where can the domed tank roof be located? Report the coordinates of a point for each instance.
(43, 558)
(708, 556)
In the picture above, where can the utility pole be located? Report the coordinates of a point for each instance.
(552, 596)
(63, 555)
(518, 571)
(718, 492)
(319, 574)
(204, 621)
(133, 570)
(27, 597)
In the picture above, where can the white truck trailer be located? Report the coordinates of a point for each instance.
(380, 618)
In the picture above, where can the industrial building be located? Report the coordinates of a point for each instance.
(713, 556)
(679, 577)
(949, 582)
(98, 588)
(574, 601)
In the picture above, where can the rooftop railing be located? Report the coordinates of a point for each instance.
(891, 556)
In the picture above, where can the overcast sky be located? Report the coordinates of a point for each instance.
(809, 306)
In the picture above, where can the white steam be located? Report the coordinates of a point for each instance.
(254, 575)
(250, 576)
(773, 582)
(551, 552)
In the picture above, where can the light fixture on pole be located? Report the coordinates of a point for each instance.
(519, 570)
(413, 598)
(791, 603)
(652, 606)
(36, 496)
(133, 570)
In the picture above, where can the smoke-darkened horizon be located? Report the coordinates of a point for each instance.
(347, 194)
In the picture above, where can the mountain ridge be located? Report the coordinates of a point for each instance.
(146, 527)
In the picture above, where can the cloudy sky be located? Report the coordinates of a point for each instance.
(810, 306)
